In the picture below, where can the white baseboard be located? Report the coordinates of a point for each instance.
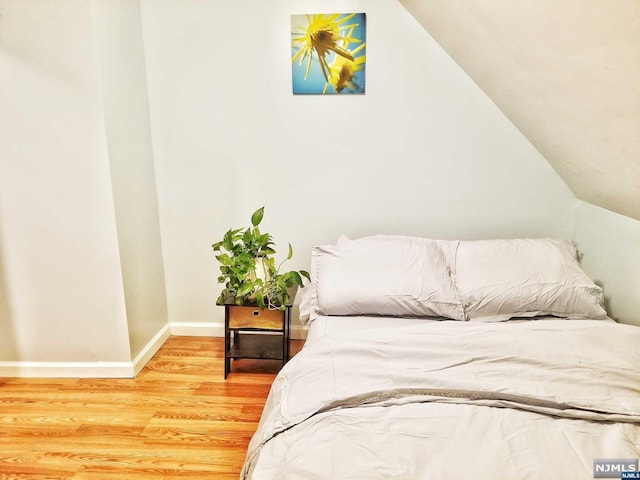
(151, 348)
(197, 329)
(87, 369)
(216, 329)
(67, 369)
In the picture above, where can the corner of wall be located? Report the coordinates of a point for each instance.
(610, 243)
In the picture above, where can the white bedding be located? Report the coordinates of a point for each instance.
(446, 400)
(326, 325)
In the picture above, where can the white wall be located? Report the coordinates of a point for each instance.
(566, 73)
(124, 93)
(422, 152)
(60, 286)
(81, 275)
(611, 246)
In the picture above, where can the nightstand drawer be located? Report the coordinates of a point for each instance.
(253, 317)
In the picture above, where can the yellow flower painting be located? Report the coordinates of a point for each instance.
(328, 53)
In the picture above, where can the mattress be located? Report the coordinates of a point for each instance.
(325, 325)
(332, 325)
(376, 397)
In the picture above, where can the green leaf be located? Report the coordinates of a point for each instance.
(246, 236)
(294, 279)
(290, 252)
(224, 259)
(227, 242)
(305, 274)
(284, 297)
(246, 259)
(256, 218)
(271, 267)
(265, 239)
(245, 289)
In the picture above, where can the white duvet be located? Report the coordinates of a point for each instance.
(446, 400)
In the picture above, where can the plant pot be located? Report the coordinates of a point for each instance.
(261, 271)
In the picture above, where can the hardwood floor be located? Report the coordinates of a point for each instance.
(178, 419)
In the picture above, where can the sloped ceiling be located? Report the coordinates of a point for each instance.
(567, 74)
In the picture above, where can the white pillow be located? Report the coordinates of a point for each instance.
(502, 279)
(306, 307)
(385, 275)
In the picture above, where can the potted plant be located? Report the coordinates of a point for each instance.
(248, 269)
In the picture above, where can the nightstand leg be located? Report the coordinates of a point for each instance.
(287, 335)
(227, 344)
(227, 360)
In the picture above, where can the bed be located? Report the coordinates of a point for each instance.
(453, 359)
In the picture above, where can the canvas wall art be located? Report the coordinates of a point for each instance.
(328, 53)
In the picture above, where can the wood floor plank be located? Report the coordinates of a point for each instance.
(179, 418)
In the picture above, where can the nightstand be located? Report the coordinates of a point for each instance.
(252, 332)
